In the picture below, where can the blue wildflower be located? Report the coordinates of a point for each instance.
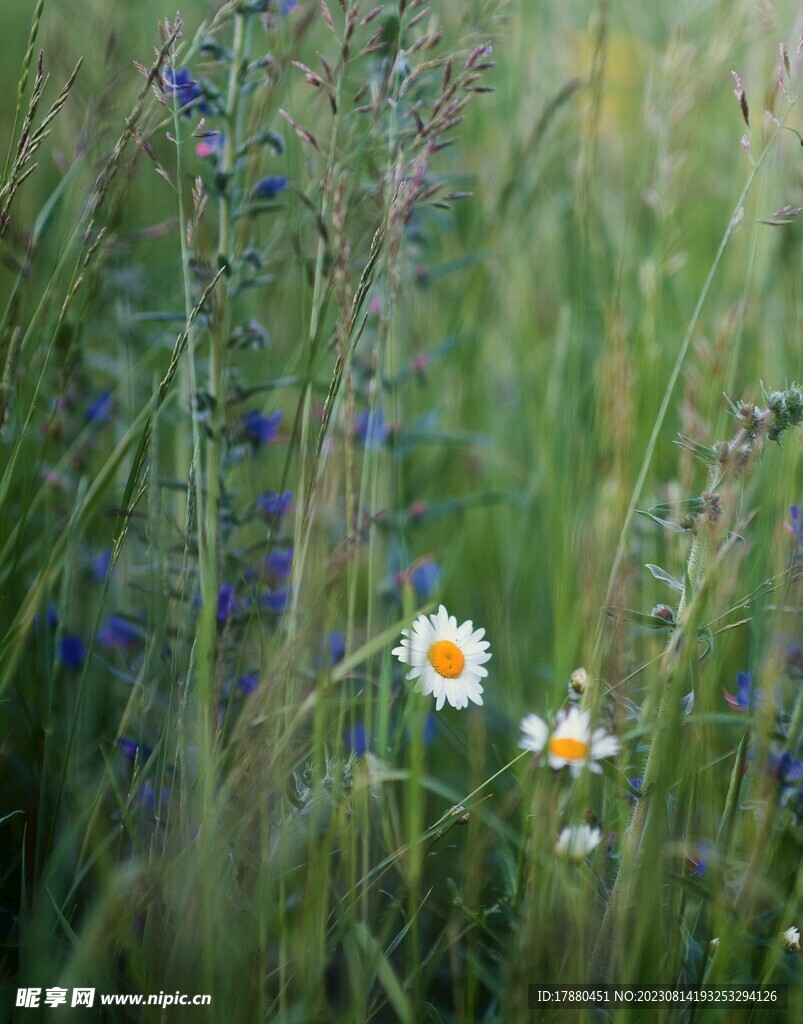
(248, 683)
(226, 602)
(99, 565)
(280, 563)
(744, 686)
(211, 144)
(261, 429)
(187, 93)
(131, 749)
(72, 652)
(785, 769)
(796, 525)
(147, 796)
(101, 409)
(357, 740)
(275, 600)
(118, 633)
(332, 650)
(270, 186)
(636, 784)
(337, 646)
(426, 579)
(702, 861)
(371, 428)
(284, 6)
(272, 505)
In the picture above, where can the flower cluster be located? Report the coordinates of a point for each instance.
(447, 662)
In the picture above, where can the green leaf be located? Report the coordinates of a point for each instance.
(664, 576)
(665, 523)
(705, 453)
(373, 960)
(638, 618)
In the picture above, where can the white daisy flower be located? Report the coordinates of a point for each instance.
(792, 939)
(534, 733)
(446, 659)
(572, 742)
(577, 842)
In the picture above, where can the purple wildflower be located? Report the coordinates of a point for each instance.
(284, 6)
(636, 784)
(226, 602)
(275, 600)
(131, 749)
(795, 527)
(270, 186)
(118, 633)
(99, 565)
(357, 740)
(280, 563)
(101, 409)
(147, 796)
(248, 683)
(186, 91)
(332, 649)
(72, 652)
(787, 770)
(261, 429)
(426, 579)
(744, 685)
(211, 145)
(272, 504)
(371, 428)
(337, 646)
(702, 860)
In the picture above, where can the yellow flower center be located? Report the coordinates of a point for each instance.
(446, 658)
(568, 748)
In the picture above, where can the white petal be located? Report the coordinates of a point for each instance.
(603, 745)
(534, 733)
(463, 634)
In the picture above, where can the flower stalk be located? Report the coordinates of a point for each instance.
(209, 509)
(727, 461)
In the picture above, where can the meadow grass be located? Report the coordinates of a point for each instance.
(315, 318)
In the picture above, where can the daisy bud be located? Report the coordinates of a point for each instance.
(579, 681)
